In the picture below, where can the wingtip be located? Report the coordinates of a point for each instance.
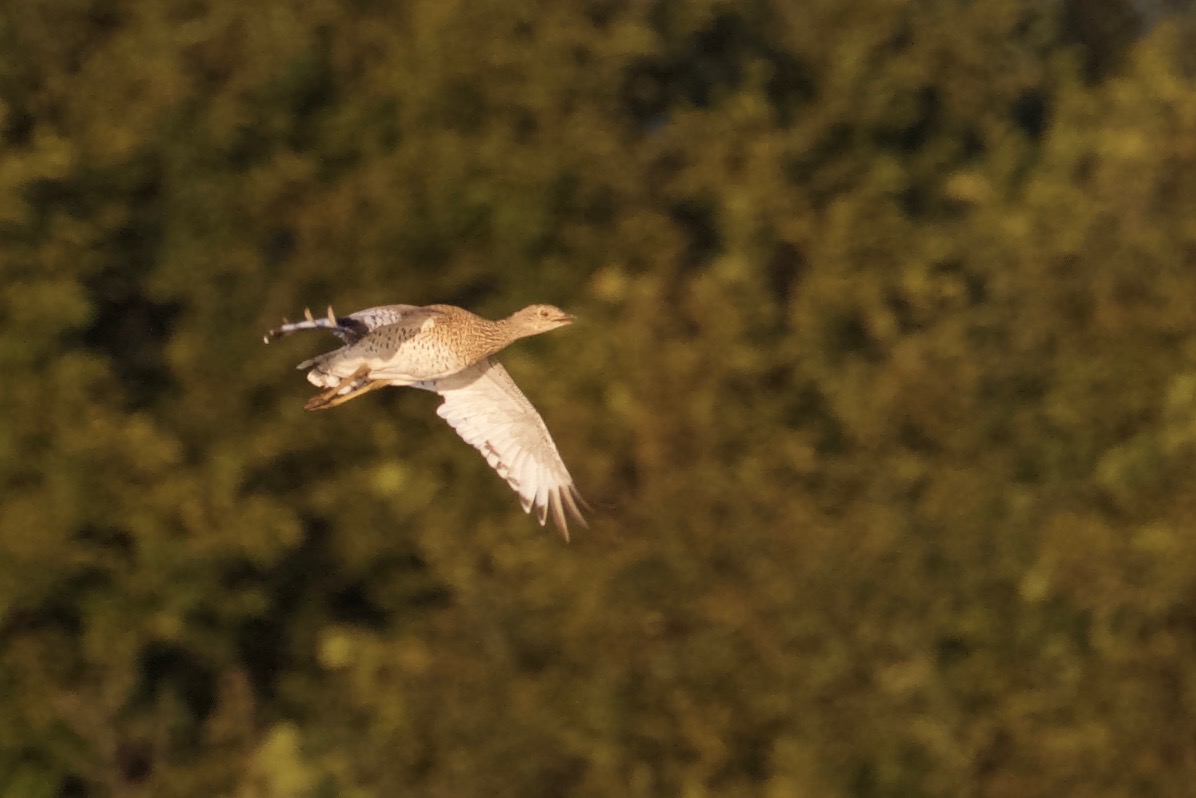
(564, 506)
(574, 504)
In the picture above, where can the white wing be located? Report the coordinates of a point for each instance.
(486, 408)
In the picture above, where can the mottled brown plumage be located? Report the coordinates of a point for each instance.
(448, 350)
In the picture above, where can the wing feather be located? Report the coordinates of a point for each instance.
(350, 329)
(385, 315)
(490, 413)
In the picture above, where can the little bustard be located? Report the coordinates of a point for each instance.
(450, 351)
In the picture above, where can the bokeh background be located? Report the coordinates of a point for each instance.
(884, 391)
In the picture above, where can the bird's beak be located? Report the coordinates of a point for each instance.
(567, 318)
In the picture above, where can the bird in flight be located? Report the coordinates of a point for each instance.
(450, 351)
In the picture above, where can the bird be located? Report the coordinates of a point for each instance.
(450, 351)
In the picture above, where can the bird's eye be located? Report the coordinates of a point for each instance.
(543, 313)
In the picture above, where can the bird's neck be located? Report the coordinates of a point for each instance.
(508, 330)
(496, 335)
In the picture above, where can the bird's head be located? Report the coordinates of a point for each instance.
(536, 319)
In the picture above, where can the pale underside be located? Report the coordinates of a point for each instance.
(396, 345)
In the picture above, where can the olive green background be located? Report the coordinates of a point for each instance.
(883, 389)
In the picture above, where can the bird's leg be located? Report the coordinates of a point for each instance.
(321, 400)
(358, 390)
(350, 388)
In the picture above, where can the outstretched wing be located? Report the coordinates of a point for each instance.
(351, 328)
(487, 409)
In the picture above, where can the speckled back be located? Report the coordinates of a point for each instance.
(425, 343)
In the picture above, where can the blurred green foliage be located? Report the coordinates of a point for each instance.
(884, 389)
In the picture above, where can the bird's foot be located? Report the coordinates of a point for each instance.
(343, 391)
